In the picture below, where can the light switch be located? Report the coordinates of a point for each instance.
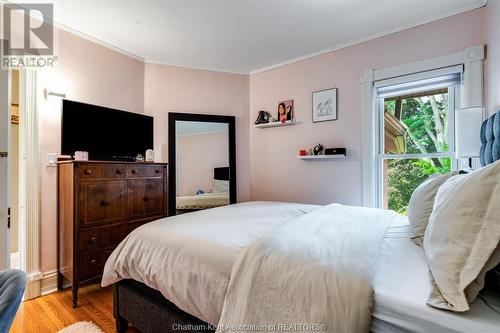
(51, 159)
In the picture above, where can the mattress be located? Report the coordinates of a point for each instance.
(202, 201)
(188, 257)
(402, 285)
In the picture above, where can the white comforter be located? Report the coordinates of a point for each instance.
(312, 273)
(189, 257)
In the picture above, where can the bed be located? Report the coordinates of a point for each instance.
(200, 249)
(219, 197)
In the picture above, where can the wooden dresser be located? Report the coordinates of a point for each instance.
(99, 204)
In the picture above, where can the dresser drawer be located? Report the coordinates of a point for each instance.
(92, 265)
(89, 240)
(102, 202)
(146, 197)
(96, 171)
(135, 171)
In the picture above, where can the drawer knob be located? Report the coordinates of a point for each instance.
(88, 172)
(134, 171)
(146, 199)
(104, 203)
(93, 261)
(119, 172)
(158, 171)
(93, 240)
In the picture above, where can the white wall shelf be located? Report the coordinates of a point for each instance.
(322, 157)
(277, 124)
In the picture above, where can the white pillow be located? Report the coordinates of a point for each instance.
(221, 186)
(421, 203)
(462, 239)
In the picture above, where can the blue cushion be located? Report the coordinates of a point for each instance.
(490, 140)
(12, 284)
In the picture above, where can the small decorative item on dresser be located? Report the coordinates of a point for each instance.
(318, 149)
(139, 158)
(324, 105)
(303, 152)
(81, 155)
(150, 155)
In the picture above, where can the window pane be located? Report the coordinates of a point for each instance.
(402, 176)
(416, 124)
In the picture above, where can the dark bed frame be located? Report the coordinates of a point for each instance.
(150, 312)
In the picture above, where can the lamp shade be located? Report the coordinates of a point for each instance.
(467, 132)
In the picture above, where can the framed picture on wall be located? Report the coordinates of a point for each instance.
(324, 105)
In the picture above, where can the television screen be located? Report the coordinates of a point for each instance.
(106, 134)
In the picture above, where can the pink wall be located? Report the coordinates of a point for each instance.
(197, 156)
(85, 72)
(493, 55)
(176, 89)
(275, 172)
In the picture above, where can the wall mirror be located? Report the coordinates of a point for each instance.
(202, 162)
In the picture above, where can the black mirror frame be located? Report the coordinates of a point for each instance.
(173, 117)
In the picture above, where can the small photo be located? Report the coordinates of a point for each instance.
(285, 110)
(324, 104)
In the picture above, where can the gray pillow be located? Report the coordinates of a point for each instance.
(421, 204)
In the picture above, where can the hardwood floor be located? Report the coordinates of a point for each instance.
(50, 313)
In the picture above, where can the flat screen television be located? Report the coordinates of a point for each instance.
(106, 134)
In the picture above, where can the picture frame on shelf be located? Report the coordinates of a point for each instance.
(324, 105)
(285, 111)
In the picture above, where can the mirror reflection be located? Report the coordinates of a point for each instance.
(202, 164)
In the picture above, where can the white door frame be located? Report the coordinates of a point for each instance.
(471, 95)
(29, 182)
(5, 113)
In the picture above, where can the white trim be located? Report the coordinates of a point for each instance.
(459, 58)
(49, 282)
(474, 54)
(428, 155)
(473, 86)
(5, 136)
(29, 181)
(198, 68)
(368, 119)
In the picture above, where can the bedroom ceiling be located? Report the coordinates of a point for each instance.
(243, 36)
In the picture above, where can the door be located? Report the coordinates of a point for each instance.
(4, 148)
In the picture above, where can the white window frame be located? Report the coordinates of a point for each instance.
(471, 95)
(381, 156)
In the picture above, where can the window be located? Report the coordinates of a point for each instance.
(416, 133)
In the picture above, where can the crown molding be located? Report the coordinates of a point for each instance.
(209, 69)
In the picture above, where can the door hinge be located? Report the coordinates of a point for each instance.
(4, 154)
(8, 218)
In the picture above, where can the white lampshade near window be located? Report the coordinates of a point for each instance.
(467, 132)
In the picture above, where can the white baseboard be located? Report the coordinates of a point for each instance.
(49, 282)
